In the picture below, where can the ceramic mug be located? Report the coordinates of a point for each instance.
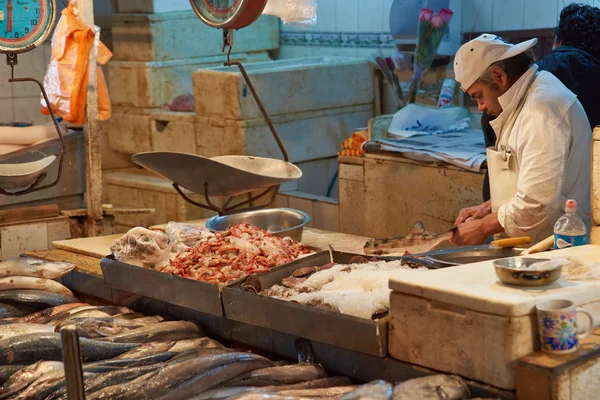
(557, 325)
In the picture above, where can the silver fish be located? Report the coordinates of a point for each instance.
(323, 392)
(36, 298)
(47, 313)
(189, 344)
(17, 329)
(32, 283)
(6, 371)
(376, 390)
(416, 242)
(148, 349)
(26, 266)
(169, 330)
(15, 310)
(283, 375)
(437, 387)
(46, 385)
(223, 393)
(24, 377)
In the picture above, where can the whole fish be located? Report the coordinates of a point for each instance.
(134, 362)
(284, 375)
(416, 242)
(170, 330)
(195, 353)
(321, 383)
(324, 392)
(95, 312)
(317, 385)
(437, 387)
(31, 283)
(96, 327)
(223, 393)
(101, 381)
(47, 346)
(376, 390)
(17, 329)
(15, 310)
(26, 266)
(166, 379)
(36, 298)
(45, 386)
(197, 343)
(148, 349)
(47, 313)
(65, 314)
(6, 371)
(24, 377)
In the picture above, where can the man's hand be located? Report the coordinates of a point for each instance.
(469, 233)
(474, 213)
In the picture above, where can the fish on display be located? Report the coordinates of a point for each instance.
(18, 329)
(436, 387)
(46, 313)
(169, 330)
(12, 310)
(376, 390)
(28, 282)
(284, 375)
(27, 375)
(35, 298)
(416, 242)
(26, 266)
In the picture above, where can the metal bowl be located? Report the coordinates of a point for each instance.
(522, 272)
(472, 254)
(280, 222)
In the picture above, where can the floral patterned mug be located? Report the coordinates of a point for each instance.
(557, 324)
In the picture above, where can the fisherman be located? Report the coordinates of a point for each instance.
(574, 60)
(542, 154)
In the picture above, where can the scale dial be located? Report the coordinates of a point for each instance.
(228, 14)
(25, 24)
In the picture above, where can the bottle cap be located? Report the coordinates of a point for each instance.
(571, 205)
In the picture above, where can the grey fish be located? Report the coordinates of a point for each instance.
(437, 387)
(46, 385)
(164, 380)
(134, 362)
(223, 393)
(11, 310)
(323, 383)
(6, 371)
(39, 316)
(47, 346)
(36, 298)
(25, 376)
(148, 349)
(195, 353)
(170, 330)
(284, 375)
(97, 327)
(416, 242)
(26, 266)
(17, 329)
(31, 283)
(92, 312)
(376, 390)
(189, 344)
(59, 316)
(323, 392)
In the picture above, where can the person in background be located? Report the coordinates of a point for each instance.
(542, 157)
(574, 60)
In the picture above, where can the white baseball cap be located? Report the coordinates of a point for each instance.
(474, 57)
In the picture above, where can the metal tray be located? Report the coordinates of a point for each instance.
(348, 332)
(469, 255)
(196, 295)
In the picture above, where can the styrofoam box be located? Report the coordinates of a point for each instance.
(306, 136)
(464, 321)
(152, 6)
(152, 84)
(181, 35)
(284, 87)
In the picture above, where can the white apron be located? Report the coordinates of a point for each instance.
(503, 166)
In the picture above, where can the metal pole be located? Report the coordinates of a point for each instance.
(72, 361)
(93, 168)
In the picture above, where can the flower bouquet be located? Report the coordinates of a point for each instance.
(432, 27)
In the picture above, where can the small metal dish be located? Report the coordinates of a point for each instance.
(280, 222)
(522, 272)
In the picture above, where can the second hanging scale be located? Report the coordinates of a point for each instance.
(231, 175)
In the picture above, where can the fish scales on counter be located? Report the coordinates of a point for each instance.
(416, 242)
(234, 254)
(26, 266)
(360, 290)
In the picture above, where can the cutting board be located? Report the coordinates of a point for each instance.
(476, 287)
(98, 247)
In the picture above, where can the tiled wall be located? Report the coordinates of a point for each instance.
(21, 101)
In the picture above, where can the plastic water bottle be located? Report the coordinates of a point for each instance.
(569, 230)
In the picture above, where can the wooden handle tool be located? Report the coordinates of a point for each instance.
(544, 245)
(512, 242)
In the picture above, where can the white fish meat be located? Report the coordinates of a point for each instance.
(416, 242)
(26, 266)
(437, 387)
(28, 282)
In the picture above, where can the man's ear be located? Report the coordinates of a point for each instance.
(499, 76)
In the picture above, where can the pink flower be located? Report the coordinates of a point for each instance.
(446, 14)
(437, 20)
(426, 14)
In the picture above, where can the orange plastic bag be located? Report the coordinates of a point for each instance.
(66, 79)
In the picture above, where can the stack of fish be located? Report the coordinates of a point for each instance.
(128, 355)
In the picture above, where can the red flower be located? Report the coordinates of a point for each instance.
(446, 14)
(437, 20)
(426, 14)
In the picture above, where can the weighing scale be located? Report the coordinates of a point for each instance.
(225, 176)
(24, 25)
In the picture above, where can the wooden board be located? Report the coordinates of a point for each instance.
(29, 213)
(90, 265)
(94, 247)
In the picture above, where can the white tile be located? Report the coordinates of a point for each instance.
(326, 13)
(346, 16)
(540, 14)
(28, 110)
(477, 15)
(508, 15)
(387, 6)
(370, 16)
(30, 65)
(345, 51)
(6, 88)
(6, 111)
(295, 52)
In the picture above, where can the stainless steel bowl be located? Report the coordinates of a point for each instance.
(281, 222)
(522, 272)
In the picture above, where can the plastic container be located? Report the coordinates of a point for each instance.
(569, 230)
(447, 93)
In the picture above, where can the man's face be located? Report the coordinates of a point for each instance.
(486, 92)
